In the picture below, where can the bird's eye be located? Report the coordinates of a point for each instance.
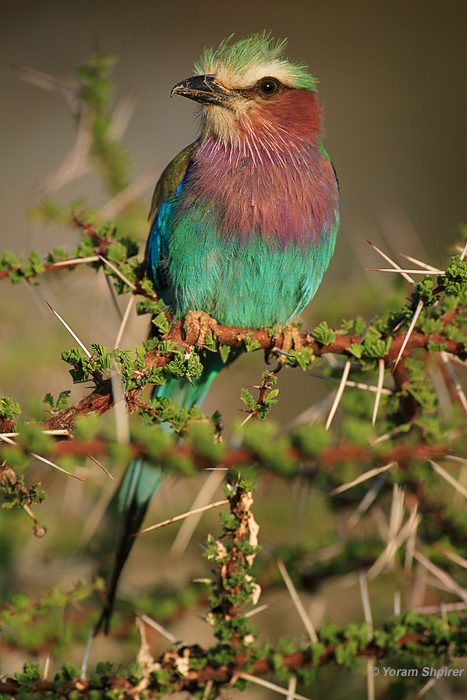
(268, 86)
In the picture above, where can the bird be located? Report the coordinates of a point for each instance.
(243, 221)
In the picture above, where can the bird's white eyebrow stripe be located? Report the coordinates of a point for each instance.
(250, 76)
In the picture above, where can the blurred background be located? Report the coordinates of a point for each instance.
(392, 82)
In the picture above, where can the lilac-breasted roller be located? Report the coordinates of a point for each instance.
(243, 220)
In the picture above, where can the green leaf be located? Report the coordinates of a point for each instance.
(224, 351)
(8, 409)
(304, 359)
(323, 334)
(250, 342)
(48, 400)
(248, 399)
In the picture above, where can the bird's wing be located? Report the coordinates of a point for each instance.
(167, 185)
(170, 179)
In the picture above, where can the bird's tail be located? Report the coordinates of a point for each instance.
(142, 480)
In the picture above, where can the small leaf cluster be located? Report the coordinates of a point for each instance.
(60, 403)
(121, 251)
(129, 365)
(164, 410)
(18, 271)
(267, 398)
(420, 387)
(185, 363)
(323, 334)
(370, 347)
(15, 494)
(304, 359)
(9, 410)
(29, 623)
(250, 343)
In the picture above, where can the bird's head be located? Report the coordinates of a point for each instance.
(248, 90)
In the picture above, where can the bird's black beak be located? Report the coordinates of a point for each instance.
(203, 89)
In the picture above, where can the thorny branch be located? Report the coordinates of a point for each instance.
(195, 669)
(179, 677)
(101, 399)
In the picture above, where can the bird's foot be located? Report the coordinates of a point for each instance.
(197, 327)
(292, 340)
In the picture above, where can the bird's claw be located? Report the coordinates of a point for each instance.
(292, 340)
(197, 327)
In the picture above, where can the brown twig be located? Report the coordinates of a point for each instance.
(193, 680)
(100, 400)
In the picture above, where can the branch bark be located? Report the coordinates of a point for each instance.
(101, 399)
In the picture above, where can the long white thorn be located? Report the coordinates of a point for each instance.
(397, 511)
(386, 436)
(122, 426)
(101, 466)
(40, 458)
(338, 396)
(450, 479)
(74, 261)
(113, 295)
(118, 273)
(203, 498)
(55, 466)
(363, 477)
(183, 515)
(45, 672)
(428, 685)
(459, 390)
(405, 272)
(207, 690)
(394, 543)
(249, 416)
(298, 603)
(292, 688)
(370, 679)
(441, 575)
(257, 610)
(464, 251)
(397, 602)
(409, 332)
(366, 603)
(84, 663)
(461, 478)
(453, 556)
(366, 501)
(391, 262)
(155, 625)
(46, 432)
(435, 609)
(270, 686)
(72, 333)
(379, 389)
(411, 540)
(356, 385)
(124, 322)
(426, 266)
